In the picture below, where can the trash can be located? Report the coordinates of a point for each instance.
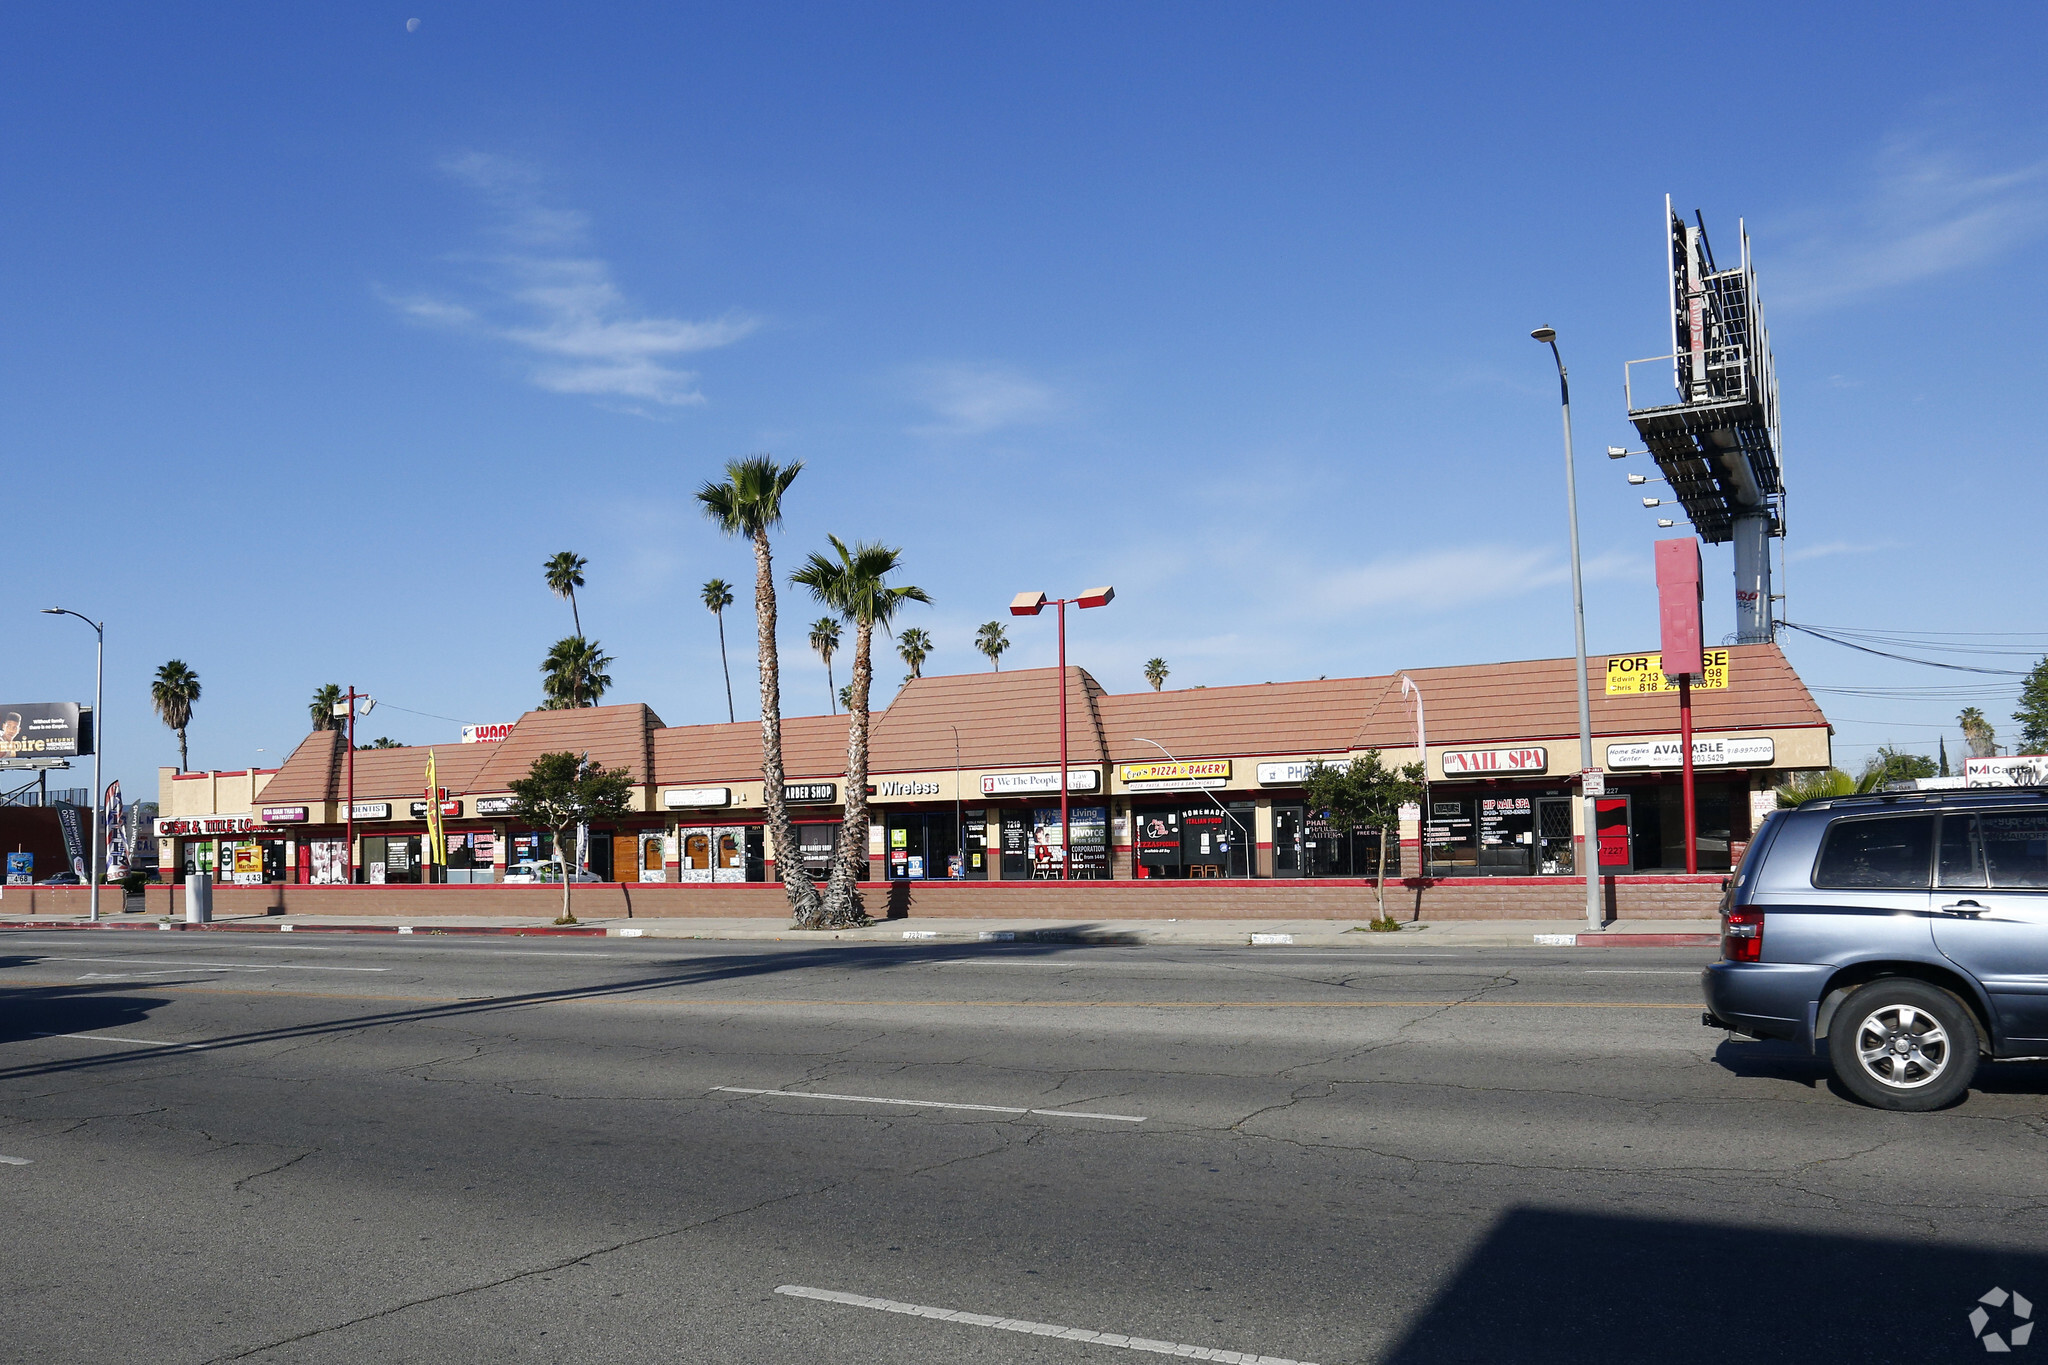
(198, 898)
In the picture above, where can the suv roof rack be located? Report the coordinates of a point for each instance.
(1933, 798)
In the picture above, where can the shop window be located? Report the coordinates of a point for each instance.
(697, 851)
(1451, 835)
(814, 846)
(1507, 835)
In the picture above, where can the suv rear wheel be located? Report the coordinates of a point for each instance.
(1903, 1044)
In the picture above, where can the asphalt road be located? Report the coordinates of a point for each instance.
(439, 1149)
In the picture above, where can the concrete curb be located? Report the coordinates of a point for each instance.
(423, 930)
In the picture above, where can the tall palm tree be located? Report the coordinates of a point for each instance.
(172, 693)
(855, 584)
(913, 646)
(825, 639)
(564, 574)
(325, 699)
(717, 597)
(1977, 733)
(749, 503)
(992, 639)
(573, 674)
(1156, 671)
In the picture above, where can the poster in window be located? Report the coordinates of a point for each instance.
(1048, 845)
(329, 862)
(1088, 853)
(1158, 838)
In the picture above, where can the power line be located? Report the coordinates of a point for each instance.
(1903, 658)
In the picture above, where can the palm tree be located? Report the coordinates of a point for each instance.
(1977, 733)
(172, 693)
(846, 697)
(749, 503)
(573, 674)
(914, 647)
(325, 699)
(564, 575)
(855, 585)
(992, 639)
(825, 639)
(717, 597)
(1155, 672)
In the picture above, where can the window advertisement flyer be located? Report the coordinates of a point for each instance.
(1088, 853)
(248, 864)
(1048, 845)
(21, 869)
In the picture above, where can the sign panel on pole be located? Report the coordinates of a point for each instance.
(1679, 595)
(1630, 675)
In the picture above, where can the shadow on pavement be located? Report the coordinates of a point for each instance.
(43, 1010)
(1772, 1059)
(30, 1010)
(1583, 1288)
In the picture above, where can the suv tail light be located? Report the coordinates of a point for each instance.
(1742, 934)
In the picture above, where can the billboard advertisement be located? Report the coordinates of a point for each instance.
(41, 729)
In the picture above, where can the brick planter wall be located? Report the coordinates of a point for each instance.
(1468, 898)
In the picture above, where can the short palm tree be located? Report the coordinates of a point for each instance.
(853, 581)
(825, 639)
(749, 503)
(992, 639)
(172, 693)
(564, 574)
(325, 699)
(573, 674)
(913, 646)
(1155, 672)
(717, 597)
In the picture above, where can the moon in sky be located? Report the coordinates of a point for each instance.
(412, 26)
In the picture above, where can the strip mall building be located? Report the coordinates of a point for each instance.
(964, 803)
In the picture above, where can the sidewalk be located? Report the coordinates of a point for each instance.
(1334, 934)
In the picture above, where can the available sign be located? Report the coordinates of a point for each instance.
(1024, 784)
(1630, 675)
(486, 734)
(1475, 762)
(41, 729)
(690, 798)
(286, 815)
(203, 827)
(810, 793)
(1176, 771)
(1706, 753)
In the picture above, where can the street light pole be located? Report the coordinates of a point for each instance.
(99, 725)
(1409, 687)
(1030, 604)
(1590, 847)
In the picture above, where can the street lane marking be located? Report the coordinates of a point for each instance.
(1642, 971)
(932, 1104)
(216, 966)
(1037, 1329)
(15, 1161)
(109, 1038)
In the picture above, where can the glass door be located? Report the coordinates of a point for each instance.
(1287, 840)
(1556, 850)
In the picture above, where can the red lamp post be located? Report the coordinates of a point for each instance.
(1030, 604)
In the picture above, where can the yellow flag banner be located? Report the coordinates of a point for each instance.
(1631, 675)
(437, 844)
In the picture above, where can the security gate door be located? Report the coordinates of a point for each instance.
(1556, 850)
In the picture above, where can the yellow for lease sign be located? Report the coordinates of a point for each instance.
(1629, 675)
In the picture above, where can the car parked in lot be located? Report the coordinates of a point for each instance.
(1905, 935)
(544, 871)
(64, 879)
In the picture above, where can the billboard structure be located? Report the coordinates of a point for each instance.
(43, 733)
(1718, 444)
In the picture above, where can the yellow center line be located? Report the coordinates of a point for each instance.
(599, 997)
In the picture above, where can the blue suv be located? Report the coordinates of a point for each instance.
(1906, 934)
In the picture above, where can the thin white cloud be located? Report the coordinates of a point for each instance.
(562, 307)
(972, 400)
(1414, 583)
(1928, 210)
(1829, 548)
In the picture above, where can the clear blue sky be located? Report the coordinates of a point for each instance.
(321, 332)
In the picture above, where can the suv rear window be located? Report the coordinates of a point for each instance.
(1891, 853)
(2015, 846)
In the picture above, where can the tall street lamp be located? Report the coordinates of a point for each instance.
(1411, 688)
(1591, 845)
(1030, 604)
(99, 672)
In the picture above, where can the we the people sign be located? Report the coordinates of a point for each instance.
(1631, 675)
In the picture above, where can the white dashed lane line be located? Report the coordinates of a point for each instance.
(931, 1104)
(110, 1038)
(15, 1161)
(1037, 1329)
(213, 966)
